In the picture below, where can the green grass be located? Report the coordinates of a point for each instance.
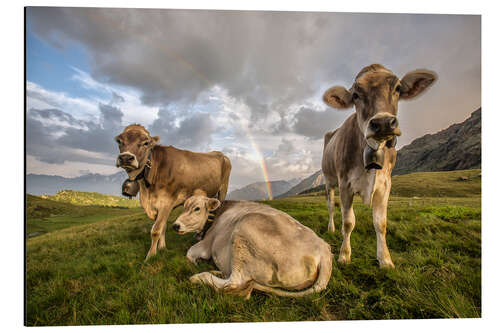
(460, 183)
(95, 274)
(92, 199)
(46, 215)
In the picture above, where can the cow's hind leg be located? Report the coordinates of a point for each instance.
(348, 222)
(235, 284)
(158, 228)
(330, 197)
(380, 199)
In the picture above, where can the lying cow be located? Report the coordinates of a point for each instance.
(360, 155)
(167, 176)
(255, 247)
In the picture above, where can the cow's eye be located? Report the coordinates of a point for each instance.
(355, 96)
(197, 209)
(118, 141)
(146, 143)
(398, 88)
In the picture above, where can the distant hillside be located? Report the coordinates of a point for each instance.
(93, 182)
(258, 191)
(44, 215)
(313, 180)
(456, 148)
(460, 183)
(92, 199)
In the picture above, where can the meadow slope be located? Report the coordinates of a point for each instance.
(92, 272)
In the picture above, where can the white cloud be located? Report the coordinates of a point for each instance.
(41, 98)
(134, 111)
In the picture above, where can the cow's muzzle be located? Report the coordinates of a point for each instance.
(178, 228)
(381, 128)
(127, 161)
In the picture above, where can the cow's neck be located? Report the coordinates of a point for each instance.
(358, 136)
(144, 172)
(212, 218)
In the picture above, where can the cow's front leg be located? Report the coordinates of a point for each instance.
(380, 200)
(330, 198)
(158, 227)
(199, 250)
(348, 222)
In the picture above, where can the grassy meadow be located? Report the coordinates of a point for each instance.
(86, 266)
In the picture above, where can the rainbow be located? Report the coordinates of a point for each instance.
(262, 165)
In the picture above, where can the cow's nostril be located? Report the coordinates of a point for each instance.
(393, 123)
(176, 227)
(374, 126)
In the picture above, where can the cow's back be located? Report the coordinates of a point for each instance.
(181, 171)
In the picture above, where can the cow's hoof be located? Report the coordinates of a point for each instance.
(343, 260)
(149, 255)
(198, 278)
(386, 264)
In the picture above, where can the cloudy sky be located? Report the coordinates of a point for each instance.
(246, 83)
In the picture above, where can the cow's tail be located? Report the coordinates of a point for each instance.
(325, 271)
(226, 172)
(328, 137)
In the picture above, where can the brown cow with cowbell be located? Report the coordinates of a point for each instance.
(166, 176)
(359, 156)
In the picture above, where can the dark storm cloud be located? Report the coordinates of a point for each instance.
(54, 136)
(193, 132)
(270, 60)
(96, 137)
(116, 98)
(42, 143)
(314, 124)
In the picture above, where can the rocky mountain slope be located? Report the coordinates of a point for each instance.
(313, 180)
(456, 148)
(258, 191)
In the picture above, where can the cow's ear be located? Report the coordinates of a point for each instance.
(338, 97)
(416, 82)
(213, 204)
(155, 140)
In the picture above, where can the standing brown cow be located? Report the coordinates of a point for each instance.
(359, 156)
(167, 176)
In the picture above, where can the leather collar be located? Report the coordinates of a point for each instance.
(145, 171)
(210, 222)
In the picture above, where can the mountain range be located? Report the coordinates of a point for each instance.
(92, 182)
(258, 190)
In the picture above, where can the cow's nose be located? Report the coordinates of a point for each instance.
(124, 158)
(176, 227)
(384, 124)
